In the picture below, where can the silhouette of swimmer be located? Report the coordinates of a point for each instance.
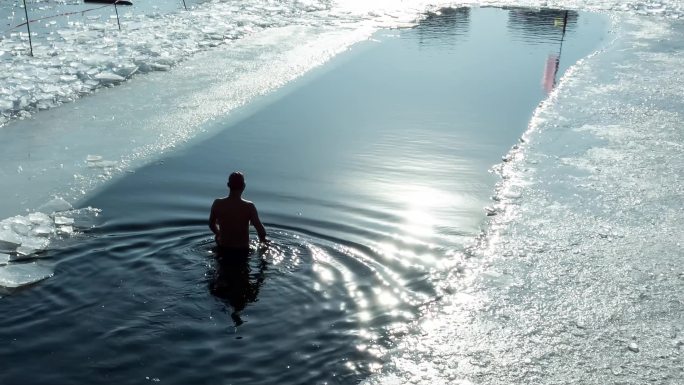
(233, 281)
(230, 217)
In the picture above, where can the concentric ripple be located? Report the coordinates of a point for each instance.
(156, 294)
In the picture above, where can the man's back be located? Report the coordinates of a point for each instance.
(230, 217)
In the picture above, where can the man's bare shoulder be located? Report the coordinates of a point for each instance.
(219, 201)
(223, 204)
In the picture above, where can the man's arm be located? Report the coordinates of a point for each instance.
(212, 220)
(254, 218)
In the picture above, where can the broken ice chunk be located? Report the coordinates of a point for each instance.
(511, 194)
(17, 275)
(97, 26)
(159, 67)
(64, 221)
(39, 218)
(6, 104)
(126, 70)
(42, 231)
(30, 247)
(65, 230)
(108, 77)
(8, 242)
(68, 78)
(4, 259)
(21, 220)
(20, 228)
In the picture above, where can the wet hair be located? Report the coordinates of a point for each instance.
(236, 181)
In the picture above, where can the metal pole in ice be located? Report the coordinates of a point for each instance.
(186, 7)
(28, 28)
(117, 14)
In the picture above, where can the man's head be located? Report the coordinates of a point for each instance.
(236, 181)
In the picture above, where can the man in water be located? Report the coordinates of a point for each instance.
(230, 218)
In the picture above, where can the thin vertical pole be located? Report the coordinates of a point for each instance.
(560, 49)
(27, 27)
(186, 7)
(117, 15)
(565, 23)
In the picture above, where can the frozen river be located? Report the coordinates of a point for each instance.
(398, 258)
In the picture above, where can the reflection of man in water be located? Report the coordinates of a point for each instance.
(235, 283)
(230, 218)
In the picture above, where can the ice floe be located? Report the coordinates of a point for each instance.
(17, 275)
(26, 236)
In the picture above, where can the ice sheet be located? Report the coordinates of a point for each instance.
(17, 275)
(563, 328)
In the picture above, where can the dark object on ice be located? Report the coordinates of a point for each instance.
(120, 2)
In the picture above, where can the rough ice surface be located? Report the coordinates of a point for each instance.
(63, 220)
(76, 55)
(17, 275)
(26, 236)
(579, 279)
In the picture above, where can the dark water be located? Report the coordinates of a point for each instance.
(370, 174)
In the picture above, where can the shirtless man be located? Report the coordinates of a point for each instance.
(230, 217)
